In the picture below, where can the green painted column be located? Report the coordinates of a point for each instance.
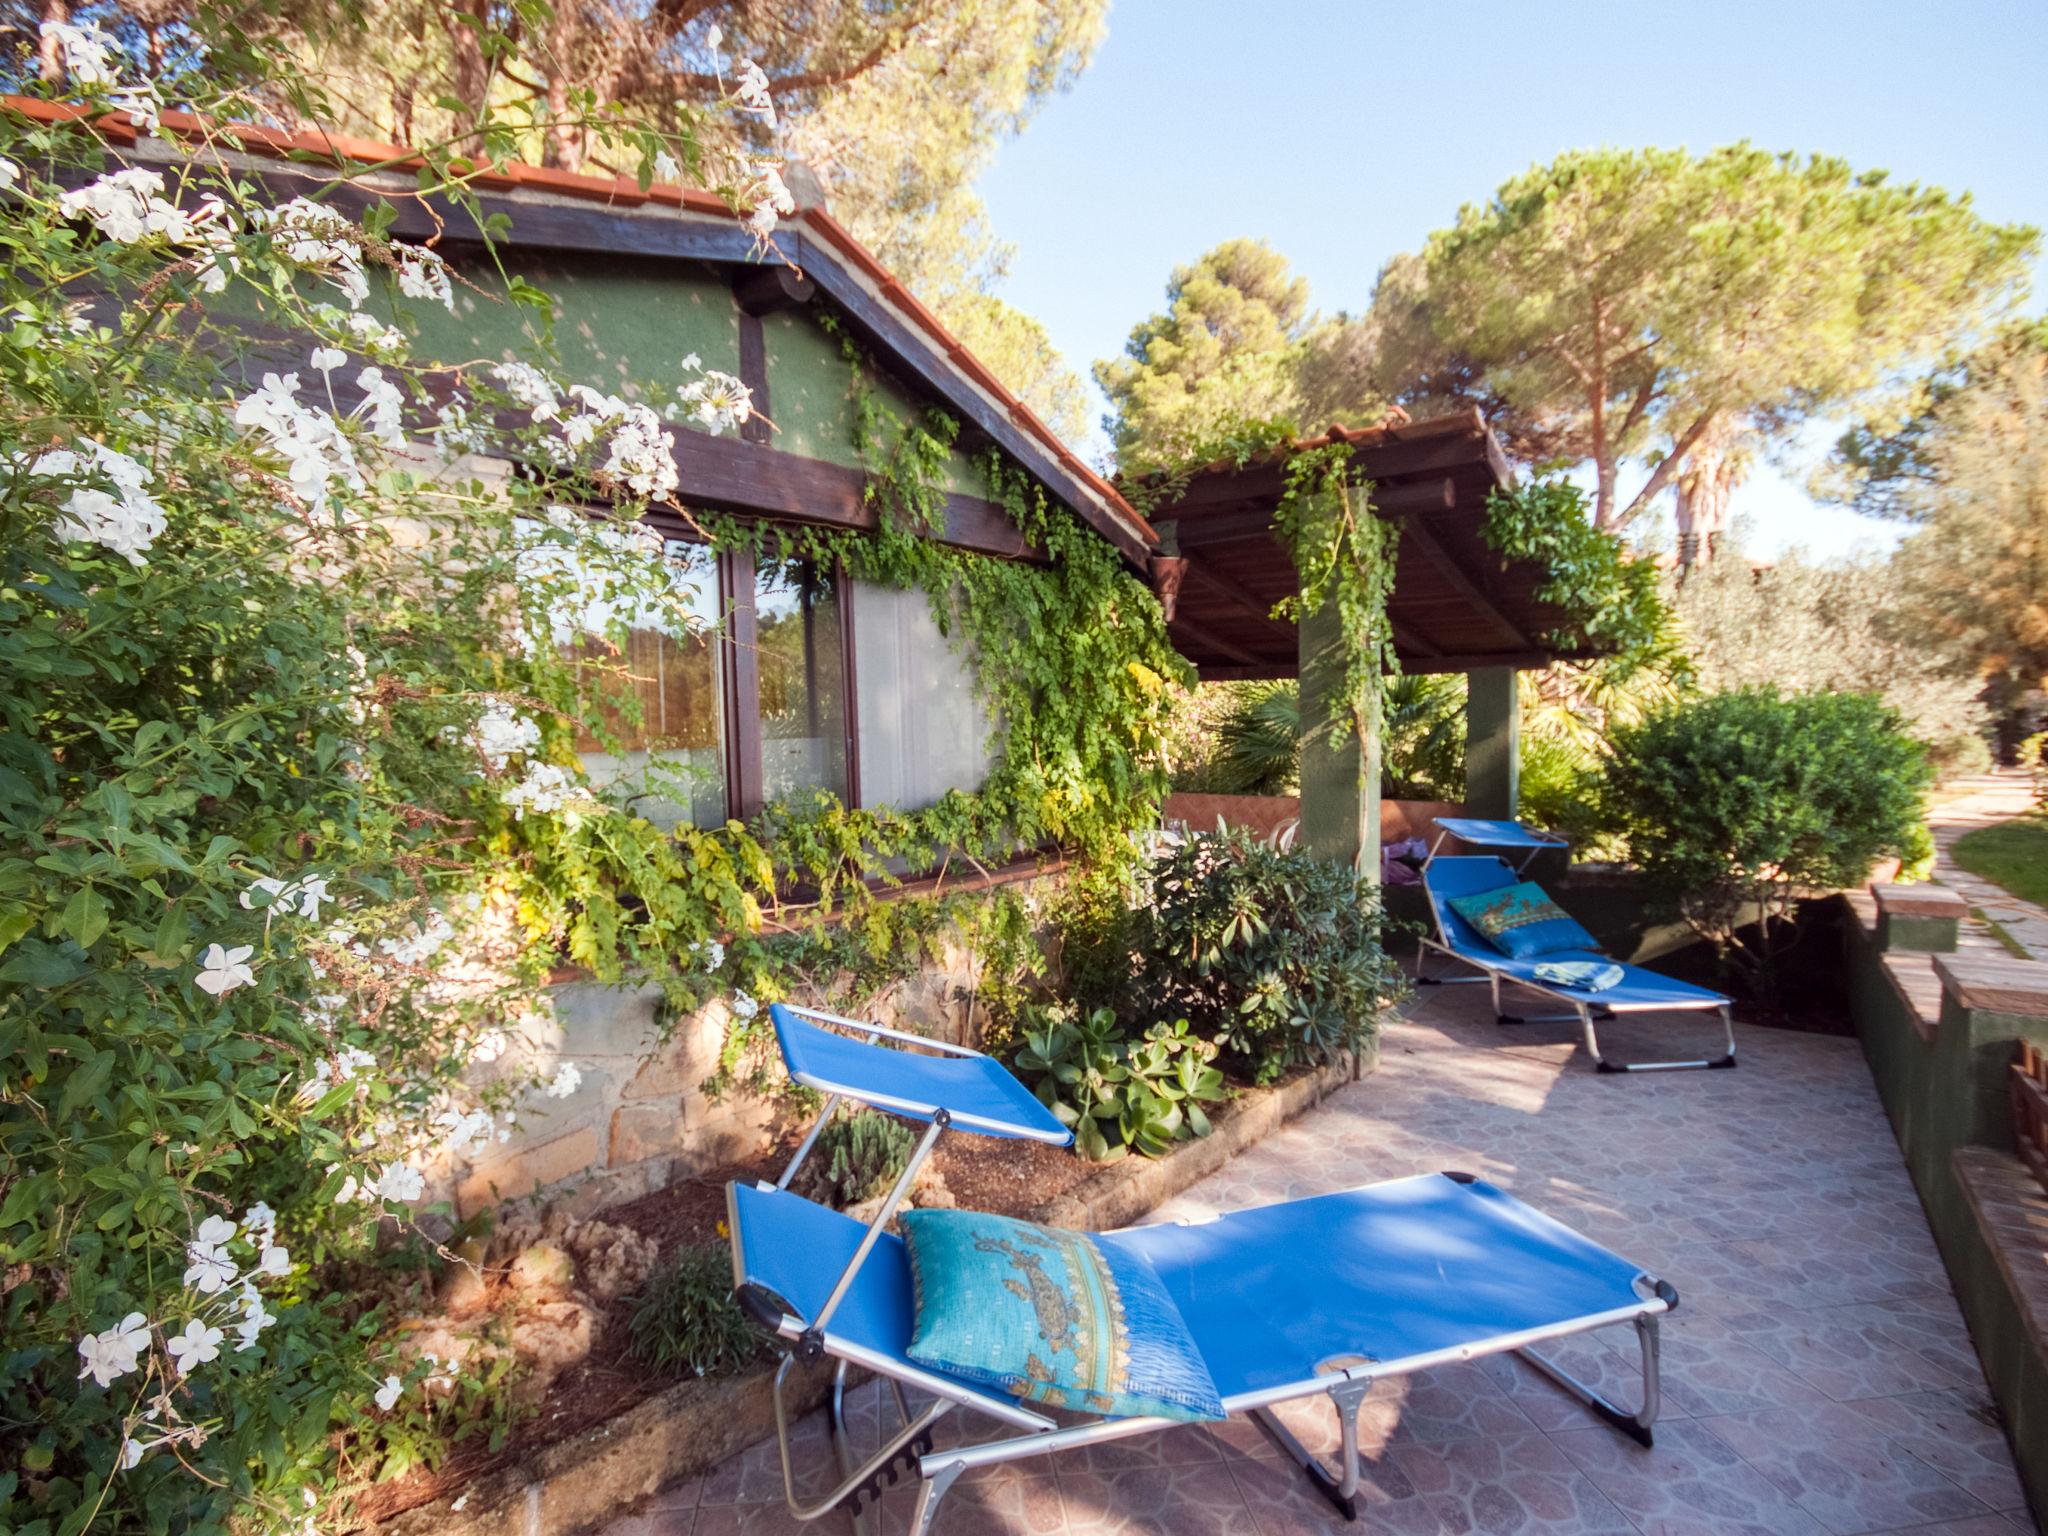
(1340, 776)
(1493, 743)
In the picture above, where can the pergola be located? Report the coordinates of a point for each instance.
(1456, 606)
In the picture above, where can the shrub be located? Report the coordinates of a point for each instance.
(1149, 1091)
(2033, 756)
(858, 1155)
(685, 1317)
(1735, 803)
(1274, 957)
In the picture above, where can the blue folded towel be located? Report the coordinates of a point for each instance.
(1582, 975)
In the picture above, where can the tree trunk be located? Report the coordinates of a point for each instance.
(1704, 488)
(49, 56)
(469, 72)
(562, 145)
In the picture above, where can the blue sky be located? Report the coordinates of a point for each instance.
(1344, 133)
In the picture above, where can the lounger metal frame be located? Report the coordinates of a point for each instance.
(1584, 1009)
(1345, 1380)
(1545, 841)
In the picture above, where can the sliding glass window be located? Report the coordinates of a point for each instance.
(662, 705)
(799, 637)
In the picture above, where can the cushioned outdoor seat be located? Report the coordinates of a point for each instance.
(1314, 1297)
(1639, 991)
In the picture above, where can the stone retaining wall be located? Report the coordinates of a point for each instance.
(640, 1119)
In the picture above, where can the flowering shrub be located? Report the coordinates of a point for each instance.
(281, 684)
(291, 822)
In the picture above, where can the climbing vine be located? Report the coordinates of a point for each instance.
(1610, 601)
(1073, 663)
(1344, 558)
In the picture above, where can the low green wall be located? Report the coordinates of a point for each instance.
(1941, 1080)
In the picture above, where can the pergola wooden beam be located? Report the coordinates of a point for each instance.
(1461, 581)
(1255, 523)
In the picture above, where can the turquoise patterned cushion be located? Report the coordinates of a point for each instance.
(1052, 1316)
(1521, 922)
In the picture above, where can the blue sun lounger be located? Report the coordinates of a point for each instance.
(1638, 991)
(1513, 836)
(1314, 1297)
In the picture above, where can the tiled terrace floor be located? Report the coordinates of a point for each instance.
(1818, 1377)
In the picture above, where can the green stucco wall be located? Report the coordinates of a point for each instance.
(626, 326)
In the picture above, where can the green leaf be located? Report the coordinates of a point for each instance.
(84, 917)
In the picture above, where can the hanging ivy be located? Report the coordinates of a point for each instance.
(1343, 558)
(1073, 662)
(1610, 601)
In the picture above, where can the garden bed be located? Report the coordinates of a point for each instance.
(611, 1430)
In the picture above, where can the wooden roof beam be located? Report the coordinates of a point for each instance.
(1202, 640)
(1461, 581)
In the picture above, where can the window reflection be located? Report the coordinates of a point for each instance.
(798, 631)
(661, 705)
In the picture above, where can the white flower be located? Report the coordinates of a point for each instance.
(387, 1395)
(457, 433)
(529, 388)
(401, 1182)
(327, 359)
(143, 103)
(718, 401)
(460, 1504)
(692, 363)
(771, 198)
(255, 1318)
(377, 338)
(773, 189)
(223, 970)
(464, 1130)
(743, 1007)
(113, 1352)
(420, 946)
(422, 274)
(712, 39)
(666, 167)
(88, 52)
(751, 86)
(209, 1269)
(500, 734)
(215, 1230)
(128, 205)
(260, 1222)
(568, 1078)
(315, 238)
(132, 1451)
(637, 452)
(275, 1261)
(197, 1345)
(10, 173)
(712, 951)
(270, 887)
(312, 892)
(347, 1192)
(385, 405)
(126, 522)
(547, 787)
(311, 441)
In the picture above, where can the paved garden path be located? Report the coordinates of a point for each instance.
(1990, 798)
(1818, 1377)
